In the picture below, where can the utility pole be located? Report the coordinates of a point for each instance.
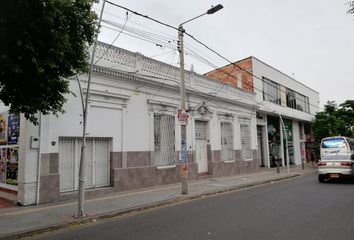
(182, 114)
(82, 172)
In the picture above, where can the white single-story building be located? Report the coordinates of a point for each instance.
(133, 133)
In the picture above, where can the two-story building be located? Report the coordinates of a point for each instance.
(286, 107)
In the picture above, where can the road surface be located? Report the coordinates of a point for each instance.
(295, 209)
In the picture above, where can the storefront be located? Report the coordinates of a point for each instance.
(9, 137)
(273, 129)
(310, 155)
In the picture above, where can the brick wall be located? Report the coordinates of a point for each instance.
(232, 75)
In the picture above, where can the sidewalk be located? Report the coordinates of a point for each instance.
(17, 222)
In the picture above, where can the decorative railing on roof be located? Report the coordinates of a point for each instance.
(123, 60)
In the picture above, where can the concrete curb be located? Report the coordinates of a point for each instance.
(108, 215)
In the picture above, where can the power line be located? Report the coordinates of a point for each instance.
(157, 40)
(242, 69)
(142, 35)
(173, 53)
(142, 15)
(223, 83)
(155, 37)
(115, 39)
(196, 91)
(160, 54)
(138, 24)
(159, 44)
(140, 32)
(210, 49)
(159, 69)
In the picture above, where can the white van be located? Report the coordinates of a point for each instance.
(337, 158)
(332, 146)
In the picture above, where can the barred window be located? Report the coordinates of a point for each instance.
(164, 140)
(246, 151)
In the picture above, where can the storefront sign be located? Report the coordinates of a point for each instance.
(13, 131)
(3, 157)
(3, 128)
(12, 166)
(289, 138)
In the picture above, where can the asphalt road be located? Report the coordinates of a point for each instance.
(300, 208)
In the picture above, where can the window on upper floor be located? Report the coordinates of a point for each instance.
(274, 92)
(302, 103)
(271, 91)
(297, 101)
(290, 98)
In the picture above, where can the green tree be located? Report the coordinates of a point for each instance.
(42, 42)
(346, 114)
(334, 120)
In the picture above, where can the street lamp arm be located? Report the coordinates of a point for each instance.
(212, 10)
(192, 19)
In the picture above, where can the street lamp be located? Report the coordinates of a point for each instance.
(183, 117)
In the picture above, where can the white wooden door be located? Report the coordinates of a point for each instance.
(201, 146)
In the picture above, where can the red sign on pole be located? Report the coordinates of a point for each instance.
(182, 116)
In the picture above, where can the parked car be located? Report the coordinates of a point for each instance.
(336, 167)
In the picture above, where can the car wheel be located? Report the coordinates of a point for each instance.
(321, 178)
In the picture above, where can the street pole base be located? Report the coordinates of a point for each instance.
(80, 217)
(184, 186)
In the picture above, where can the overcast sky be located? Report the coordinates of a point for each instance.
(311, 40)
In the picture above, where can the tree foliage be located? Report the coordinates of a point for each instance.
(42, 42)
(351, 7)
(334, 120)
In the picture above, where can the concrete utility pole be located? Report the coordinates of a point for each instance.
(183, 115)
(82, 172)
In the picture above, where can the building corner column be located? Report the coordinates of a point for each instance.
(28, 162)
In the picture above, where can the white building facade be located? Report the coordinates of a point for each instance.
(133, 132)
(286, 108)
